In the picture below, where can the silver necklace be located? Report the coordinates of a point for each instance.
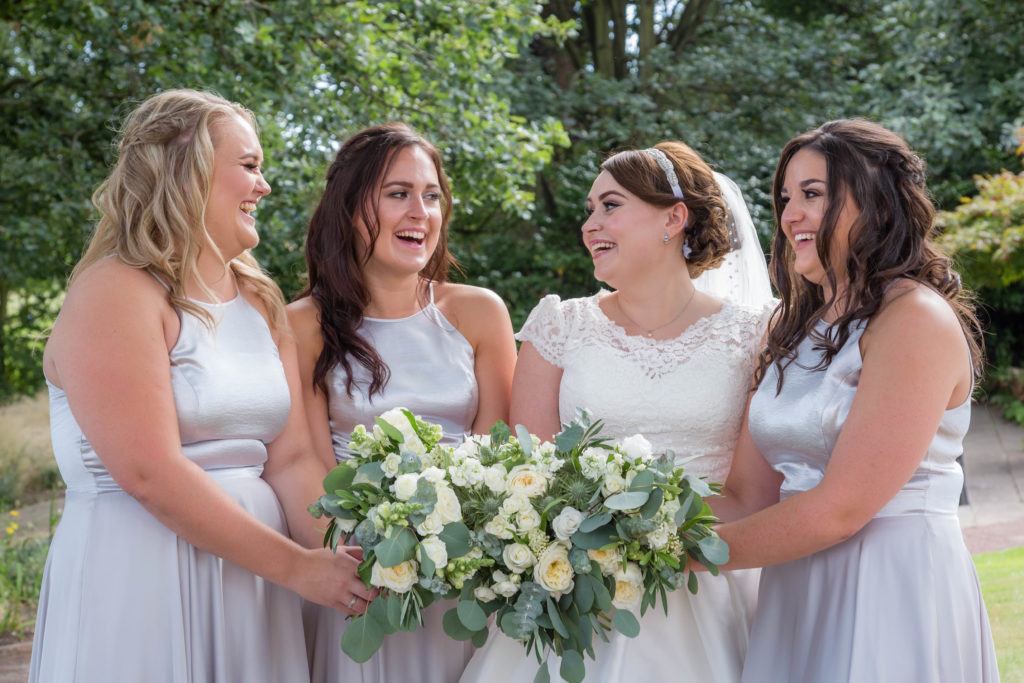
(650, 332)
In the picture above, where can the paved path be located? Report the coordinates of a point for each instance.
(992, 519)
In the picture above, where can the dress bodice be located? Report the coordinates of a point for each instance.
(797, 430)
(230, 395)
(431, 373)
(686, 394)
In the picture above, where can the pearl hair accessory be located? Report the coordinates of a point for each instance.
(666, 166)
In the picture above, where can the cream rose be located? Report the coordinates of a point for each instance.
(554, 571)
(518, 557)
(436, 550)
(629, 587)
(566, 523)
(448, 505)
(405, 486)
(435, 475)
(514, 504)
(399, 578)
(613, 483)
(526, 480)
(391, 463)
(609, 560)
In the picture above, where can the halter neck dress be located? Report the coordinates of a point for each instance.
(432, 374)
(123, 597)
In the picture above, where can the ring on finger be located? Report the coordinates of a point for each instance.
(352, 602)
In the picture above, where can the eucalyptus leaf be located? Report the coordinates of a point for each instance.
(699, 486)
(583, 592)
(542, 675)
(365, 634)
(453, 626)
(397, 548)
(594, 522)
(517, 625)
(339, 478)
(480, 638)
(643, 481)
(595, 540)
(456, 539)
(371, 472)
(627, 500)
(714, 549)
(525, 440)
(500, 432)
(626, 623)
(653, 504)
(556, 619)
(471, 615)
(569, 437)
(572, 669)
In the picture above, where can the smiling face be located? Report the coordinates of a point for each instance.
(806, 197)
(409, 215)
(624, 233)
(236, 187)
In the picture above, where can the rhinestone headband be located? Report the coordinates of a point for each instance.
(666, 166)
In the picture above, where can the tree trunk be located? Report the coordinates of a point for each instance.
(5, 290)
(645, 33)
(601, 45)
(686, 30)
(620, 26)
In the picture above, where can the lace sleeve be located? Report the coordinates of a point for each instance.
(546, 329)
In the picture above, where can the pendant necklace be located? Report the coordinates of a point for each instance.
(650, 332)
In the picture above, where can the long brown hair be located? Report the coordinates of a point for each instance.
(892, 237)
(336, 279)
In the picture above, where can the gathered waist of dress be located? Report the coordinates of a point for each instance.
(106, 483)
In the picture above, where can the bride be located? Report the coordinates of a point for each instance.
(664, 356)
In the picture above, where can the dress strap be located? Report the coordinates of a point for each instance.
(159, 279)
(430, 289)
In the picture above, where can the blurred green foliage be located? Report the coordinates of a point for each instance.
(524, 100)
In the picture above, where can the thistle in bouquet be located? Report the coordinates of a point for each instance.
(395, 498)
(575, 528)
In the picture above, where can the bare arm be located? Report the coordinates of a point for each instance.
(752, 484)
(535, 393)
(915, 368)
(481, 317)
(110, 355)
(303, 315)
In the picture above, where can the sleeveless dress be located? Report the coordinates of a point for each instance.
(432, 374)
(686, 394)
(124, 598)
(899, 600)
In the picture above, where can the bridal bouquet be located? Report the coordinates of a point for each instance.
(548, 537)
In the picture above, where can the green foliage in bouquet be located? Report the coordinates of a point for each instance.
(559, 541)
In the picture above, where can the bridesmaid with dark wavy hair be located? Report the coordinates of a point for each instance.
(379, 326)
(848, 469)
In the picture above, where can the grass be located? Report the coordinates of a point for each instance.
(22, 557)
(27, 468)
(1002, 584)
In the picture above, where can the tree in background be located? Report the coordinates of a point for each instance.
(313, 71)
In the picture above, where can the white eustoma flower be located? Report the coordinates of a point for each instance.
(399, 578)
(405, 486)
(629, 587)
(391, 464)
(659, 537)
(527, 519)
(494, 478)
(592, 463)
(518, 557)
(436, 550)
(613, 483)
(435, 475)
(500, 527)
(433, 524)
(448, 505)
(505, 585)
(484, 594)
(514, 504)
(636, 447)
(566, 523)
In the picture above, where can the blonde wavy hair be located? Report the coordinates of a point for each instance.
(153, 202)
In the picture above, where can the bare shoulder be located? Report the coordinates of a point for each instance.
(915, 313)
(465, 303)
(304, 319)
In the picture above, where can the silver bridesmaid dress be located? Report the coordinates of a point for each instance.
(123, 597)
(898, 601)
(432, 374)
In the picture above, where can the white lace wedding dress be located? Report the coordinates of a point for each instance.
(686, 394)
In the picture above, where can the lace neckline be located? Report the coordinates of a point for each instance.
(619, 332)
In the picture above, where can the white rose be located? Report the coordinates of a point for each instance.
(433, 524)
(494, 478)
(484, 594)
(447, 505)
(629, 587)
(527, 519)
(397, 419)
(613, 483)
(399, 578)
(507, 589)
(500, 527)
(391, 464)
(514, 504)
(554, 571)
(436, 550)
(609, 560)
(637, 447)
(405, 486)
(526, 480)
(566, 523)
(518, 557)
(435, 475)
(346, 525)
(414, 445)
(458, 475)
